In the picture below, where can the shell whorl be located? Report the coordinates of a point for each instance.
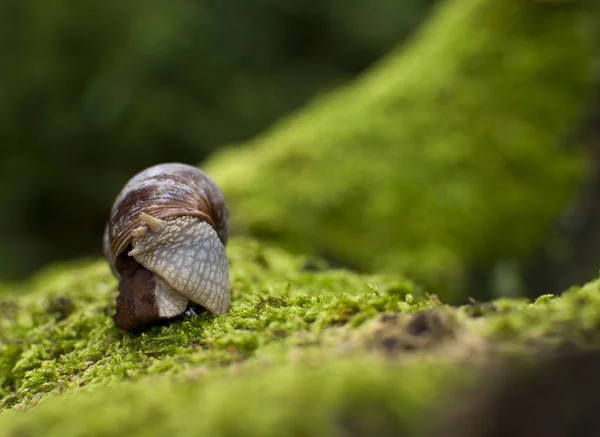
(162, 191)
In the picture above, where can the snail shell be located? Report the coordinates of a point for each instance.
(165, 242)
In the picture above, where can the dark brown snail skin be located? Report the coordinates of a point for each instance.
(165, 242)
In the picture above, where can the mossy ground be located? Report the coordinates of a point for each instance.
(60, 335)
(305, 350)
(311, 350)
(433, 162)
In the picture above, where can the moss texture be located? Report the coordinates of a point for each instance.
(291, 401)
(304, 351)
(434, 161)
(60, 335)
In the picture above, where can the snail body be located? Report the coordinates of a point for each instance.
(165, 242)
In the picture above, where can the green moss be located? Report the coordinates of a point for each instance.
(301, 352)
(59, 335)
(572, 318)
(436, 160)
(363, 398)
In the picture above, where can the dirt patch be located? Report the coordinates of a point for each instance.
(60, 307)
(433, 330)
(8, 310)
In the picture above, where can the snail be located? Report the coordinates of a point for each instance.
(165, 242)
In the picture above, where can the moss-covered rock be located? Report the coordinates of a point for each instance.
(59, 335)
(446, 156)
(304, 351)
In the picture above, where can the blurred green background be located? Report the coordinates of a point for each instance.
(92, 92)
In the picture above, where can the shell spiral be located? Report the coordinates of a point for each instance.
(165, 242)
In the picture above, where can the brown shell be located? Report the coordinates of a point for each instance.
(162, 191)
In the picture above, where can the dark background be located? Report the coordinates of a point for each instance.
(93, 91)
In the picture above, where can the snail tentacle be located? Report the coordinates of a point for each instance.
(139, 232)
(153, 223)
